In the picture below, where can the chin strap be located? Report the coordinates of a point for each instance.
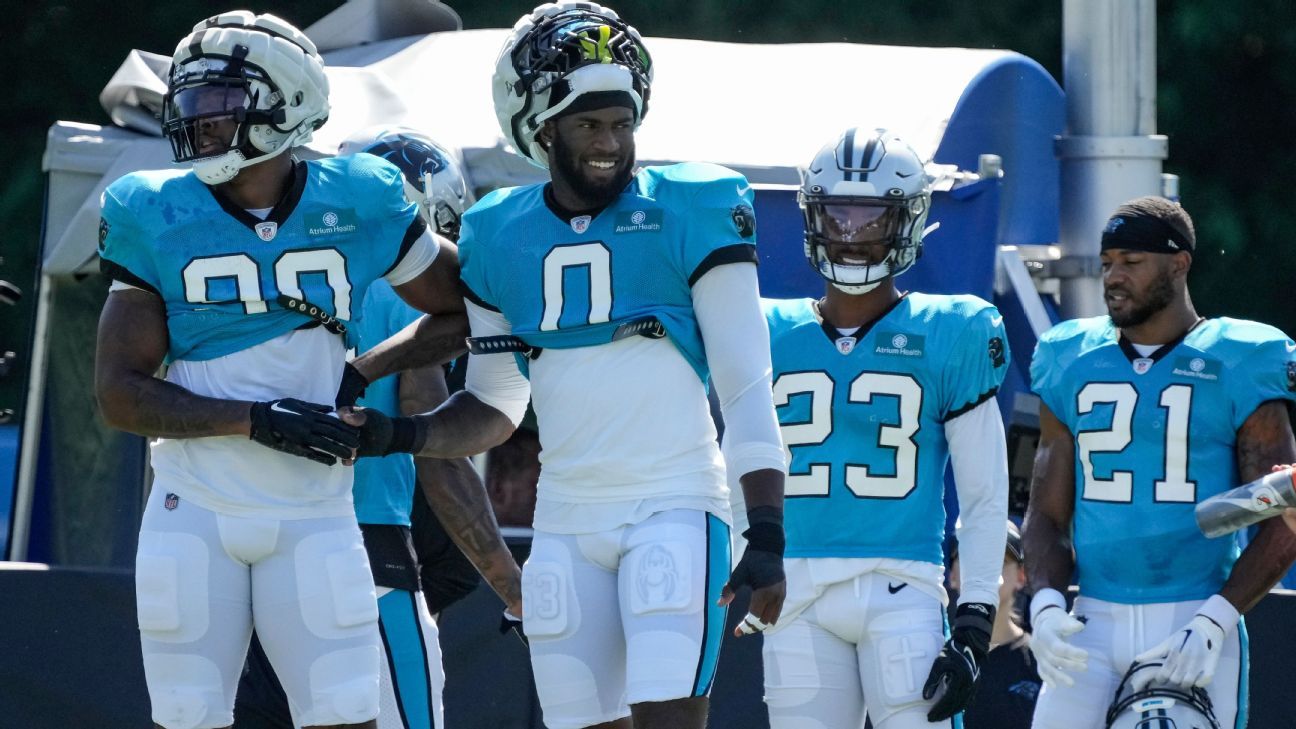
(226, 166)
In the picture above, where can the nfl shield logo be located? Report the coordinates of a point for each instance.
(846, 345)
(267, 230)
(581, 223)
(1142, 365)
(172, 501)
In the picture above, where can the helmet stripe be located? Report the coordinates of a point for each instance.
(866, 162)
(848, 152)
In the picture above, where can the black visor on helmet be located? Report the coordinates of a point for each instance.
(853, 220)
(208, 91)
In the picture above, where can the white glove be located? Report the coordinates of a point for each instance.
(1051, 625)
(1189, 656)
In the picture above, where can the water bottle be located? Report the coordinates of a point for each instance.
(1245, 505)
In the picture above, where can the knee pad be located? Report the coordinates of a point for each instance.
(550, 610)
(171, 590)
(335, 567)
(660, 579)
(344, 687)
(186, 692)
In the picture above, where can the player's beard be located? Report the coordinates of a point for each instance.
(1159, 294)
(595, 194)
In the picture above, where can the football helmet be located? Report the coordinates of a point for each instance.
(558, 54)
(433, 178)
(257, 70)
(1159, 706)
(867, 187)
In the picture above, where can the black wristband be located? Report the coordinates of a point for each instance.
(765, 515)
(766, 537)
(973, 624)
(404, 435)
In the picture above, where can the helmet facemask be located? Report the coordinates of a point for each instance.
(865, 200)
(1159, 705)
(857, 243)
(206, 92)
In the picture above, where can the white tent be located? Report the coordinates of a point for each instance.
(762, 109)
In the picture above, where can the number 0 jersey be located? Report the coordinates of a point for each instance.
(1153, 437)
(623, 421)
(863, 417)
(571, 283)
(219, 270)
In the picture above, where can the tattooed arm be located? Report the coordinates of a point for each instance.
(427, 342)
(132, 343)
(1265, 439)
(456, 493)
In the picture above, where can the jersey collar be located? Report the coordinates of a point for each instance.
(831, 331)
(1132, 354)
(566, 215)
(282, 209)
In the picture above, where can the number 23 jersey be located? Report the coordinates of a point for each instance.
(863, 420)
(1153, 437)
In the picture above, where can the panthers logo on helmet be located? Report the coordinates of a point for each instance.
(433, 178)
(103, 236)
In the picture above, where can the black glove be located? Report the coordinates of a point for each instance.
(762, 564)
(953, 676)
(383, 435)
(352, 387)
(508, 622)
(303, 429)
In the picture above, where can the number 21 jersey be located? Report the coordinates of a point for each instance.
(1154, 436)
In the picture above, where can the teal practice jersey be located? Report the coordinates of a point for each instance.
(1153, 437)
(220, 270)
(863, 420)
(572, 283)
(384, 487)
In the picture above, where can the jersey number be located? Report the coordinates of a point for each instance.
(245, 272)
(1176, 400)
(596, 259)
(898, 438)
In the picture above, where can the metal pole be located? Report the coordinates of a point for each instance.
(1110, 151)
(29, 450)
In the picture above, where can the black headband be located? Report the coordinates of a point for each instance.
(1144, 233)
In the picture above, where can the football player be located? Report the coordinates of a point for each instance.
(877, 390)
(1147, 411)
(412, 678)
(611, 296)
(245, 276)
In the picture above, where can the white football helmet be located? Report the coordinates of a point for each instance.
(1159, 706)
(257, 69)
(558, 54)
(869, 186)
(433, 177)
